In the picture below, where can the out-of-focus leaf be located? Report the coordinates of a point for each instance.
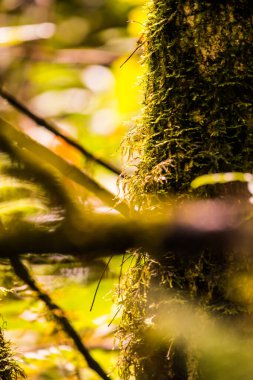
(225, 352)
(212, 179)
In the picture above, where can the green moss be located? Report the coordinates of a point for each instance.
(9, 368)
(197, 119)
(198, 97)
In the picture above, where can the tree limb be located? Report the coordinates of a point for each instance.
(52, 128)
(27, 150)
(23, 273)
(214, 226)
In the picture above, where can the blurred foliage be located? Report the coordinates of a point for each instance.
(69, 53)
(212, 179)
(62, 59)
(44, 349)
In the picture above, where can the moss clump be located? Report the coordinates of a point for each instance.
(197, 119)
(9, 368)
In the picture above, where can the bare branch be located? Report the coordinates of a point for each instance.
(23, 273)
(52, 128)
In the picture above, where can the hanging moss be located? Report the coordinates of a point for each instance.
(9, 368)
(197, 119)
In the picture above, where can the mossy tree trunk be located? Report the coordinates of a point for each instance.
(197, 119)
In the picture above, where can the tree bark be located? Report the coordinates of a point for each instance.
(197, 120)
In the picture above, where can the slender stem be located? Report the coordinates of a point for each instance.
(23, 273)
(99, 282)
(135, 50)
(115, 315)
(52, 128)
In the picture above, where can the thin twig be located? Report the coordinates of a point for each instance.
(52, 128)
(128, 257)
(135, 50)
(23, 273)
(120, 273)
(119, 289)
(99, 282)
(115, 315)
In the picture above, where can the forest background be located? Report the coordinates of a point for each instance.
(62, 59)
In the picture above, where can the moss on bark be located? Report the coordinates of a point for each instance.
(197, 119)
(9, 368)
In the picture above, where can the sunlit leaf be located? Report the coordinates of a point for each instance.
(212, 179)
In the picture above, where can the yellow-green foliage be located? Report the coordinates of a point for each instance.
(197, 119)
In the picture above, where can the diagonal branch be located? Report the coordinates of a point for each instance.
(23, 273)
(28, 150)
(52, 128)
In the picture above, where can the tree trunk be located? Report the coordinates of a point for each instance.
(197, 119)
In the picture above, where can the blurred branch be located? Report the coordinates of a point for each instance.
(23, 273)
(52, 128)
(28, 150)
(86, 56)
(63, 56)
(205, 225)
(209, 224)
